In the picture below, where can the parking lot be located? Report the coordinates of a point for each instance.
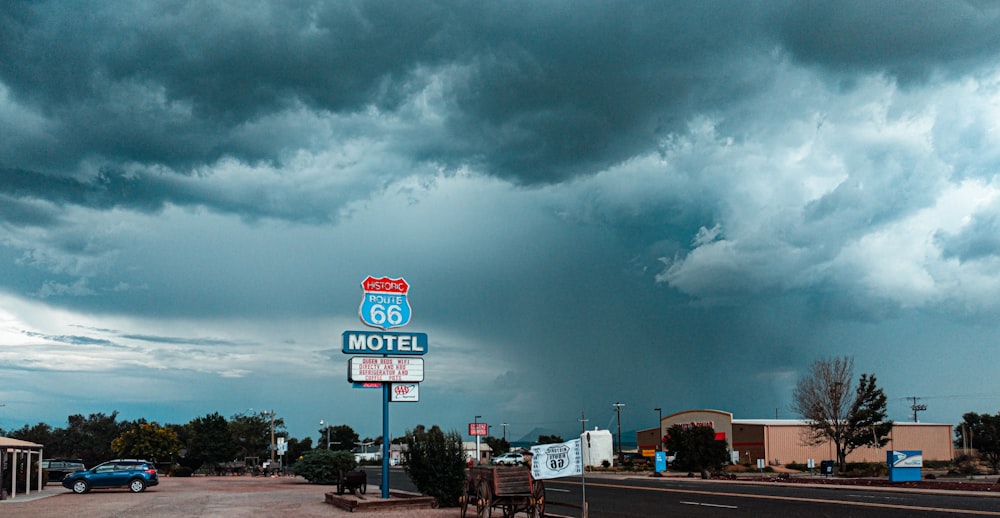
(197, 496)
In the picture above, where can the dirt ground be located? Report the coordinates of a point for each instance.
(202, 496)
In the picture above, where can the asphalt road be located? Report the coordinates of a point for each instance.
(644, 496)
(609, 496)
(639, 495)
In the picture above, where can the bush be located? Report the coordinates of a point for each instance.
(866, 469)
(324, 466)
(436, 463)
(181, 471)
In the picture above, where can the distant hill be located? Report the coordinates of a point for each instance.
(531, 438)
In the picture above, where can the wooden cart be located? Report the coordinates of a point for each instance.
(509, 489)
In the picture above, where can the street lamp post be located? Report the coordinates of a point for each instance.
(321, 423)
(659, 428)
(476, 429)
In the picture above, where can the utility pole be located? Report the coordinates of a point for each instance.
(272, 439)
(504, 425)
(618, 410)
(583, 423)
(915, 407)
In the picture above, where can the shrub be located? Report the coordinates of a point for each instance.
(866, 469)
(324, 466)
(181, 471)
(436, 463)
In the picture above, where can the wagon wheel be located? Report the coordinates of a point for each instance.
(484, 500)
(466, 498)
(537, 500)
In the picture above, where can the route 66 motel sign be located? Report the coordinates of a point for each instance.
(384, 304)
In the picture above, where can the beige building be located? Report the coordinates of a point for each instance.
(783, 441)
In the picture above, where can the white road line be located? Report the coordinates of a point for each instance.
(703, 504)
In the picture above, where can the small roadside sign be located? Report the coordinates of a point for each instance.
(404, 392)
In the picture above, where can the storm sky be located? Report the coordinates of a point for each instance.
(664, 204)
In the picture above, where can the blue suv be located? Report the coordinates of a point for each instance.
(131, 473)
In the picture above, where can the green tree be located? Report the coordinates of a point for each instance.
(981, 432)
(147, 441)
(89, 438)
(323, 466)
(342, 437)
(823, 397)
(251, 433)
(41, 433)
(867, 420)
(436, 463)
(497, 444)
(696, 448)
(297, 449)
(208, 440)
(550, 439)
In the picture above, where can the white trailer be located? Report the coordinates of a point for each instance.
(598, 446)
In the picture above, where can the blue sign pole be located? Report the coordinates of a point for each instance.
(385, 441)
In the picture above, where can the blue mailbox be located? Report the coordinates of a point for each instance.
(904, 465)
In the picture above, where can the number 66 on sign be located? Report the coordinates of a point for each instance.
(384, 303)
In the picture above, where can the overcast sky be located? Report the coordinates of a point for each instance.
(664, 204)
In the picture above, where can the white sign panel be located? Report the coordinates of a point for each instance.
(556, 460)
(404, 392)
(907, 458)
(367, 368)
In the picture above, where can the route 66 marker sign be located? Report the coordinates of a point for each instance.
(384, 303)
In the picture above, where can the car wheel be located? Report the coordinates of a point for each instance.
(137, 485)
(80, 487)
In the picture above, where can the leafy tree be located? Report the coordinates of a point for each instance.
(251, 433)
(297, 449)
(696, 448)
(497, 444)
(323, 466)
(550, 439)
(89, 438)
(41, 433)
(436, 463)
(147, 441)
(342, 437)
(823, 397)
(208, 440)
(981, 432)
(867, 418)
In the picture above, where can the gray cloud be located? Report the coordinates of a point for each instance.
(647, 200)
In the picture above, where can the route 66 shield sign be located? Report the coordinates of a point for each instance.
(384, 303)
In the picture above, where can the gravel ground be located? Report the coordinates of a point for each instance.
(201, 496)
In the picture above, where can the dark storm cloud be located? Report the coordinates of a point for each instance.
(905, 39)
(536, 93)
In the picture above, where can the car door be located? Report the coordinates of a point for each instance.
(121, 474)
(104, 476)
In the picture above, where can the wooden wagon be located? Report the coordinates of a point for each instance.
(509, 489)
